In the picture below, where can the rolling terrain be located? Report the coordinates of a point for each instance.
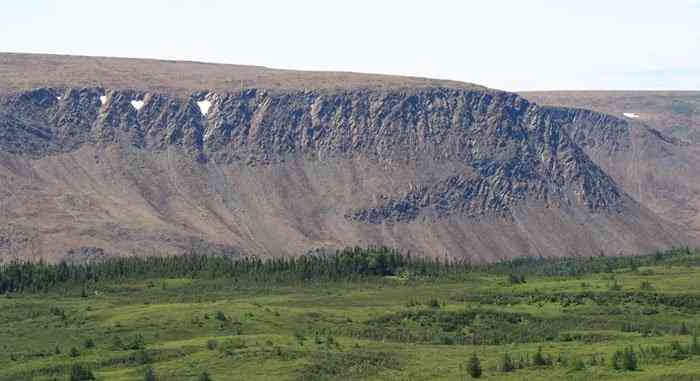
(122, 156)
(412, 325)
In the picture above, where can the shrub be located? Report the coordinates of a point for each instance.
(507, 364)
(74, 352)
(150, 375)
(204, 377)
(616, 360)
(229, 347)
(220, 315)
(88, 343)
(300, 338)
(646, 286)
(79, 373)
(579, 365)
(212, 344)
(474, 366)
(433, 303)
(141, 357)
(614, 286)
(516, 279)
(629, 359)
(539, 360)
(348, 365)
(136, 342)
(694, 345)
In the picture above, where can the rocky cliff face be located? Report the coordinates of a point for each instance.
(447, 161)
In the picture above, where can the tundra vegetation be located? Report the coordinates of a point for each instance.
(359, 314)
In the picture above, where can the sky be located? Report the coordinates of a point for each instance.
(510, 45)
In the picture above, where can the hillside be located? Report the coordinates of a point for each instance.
(676, 113)
(657, 162)
(20, 72)
(95, 162)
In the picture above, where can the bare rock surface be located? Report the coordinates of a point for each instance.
(436, 168)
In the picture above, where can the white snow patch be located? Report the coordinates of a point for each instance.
(59, 98)
(137, 104)
(630, 115)
(204, 106)
(103, 99)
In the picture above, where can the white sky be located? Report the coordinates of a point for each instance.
(511, 45)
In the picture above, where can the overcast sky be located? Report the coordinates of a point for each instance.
(510, 45)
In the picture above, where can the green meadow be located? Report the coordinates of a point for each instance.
(529, 320)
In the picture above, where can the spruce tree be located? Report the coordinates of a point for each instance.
(474, 366)
(629, 359)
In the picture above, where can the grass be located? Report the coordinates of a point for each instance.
(374, 329)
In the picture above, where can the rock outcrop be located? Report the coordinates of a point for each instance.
(437, 170)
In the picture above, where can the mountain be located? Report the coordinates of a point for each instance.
(675, 113)
(657, 161)
(105, 156)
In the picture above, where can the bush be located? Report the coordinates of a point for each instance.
(433, 303)
(79, 373)
(614, 286)
(229, 347)
(694, 345)
(300, 338)
(516, 279)
(538, 359)
(220, 315)
(88, 343)
(74, 352)
(629, 359)
(150, 375)
(624, 360)
(646, 286)
(141, 357)
(616, 360)
(212, 344)
(507, 364)
(474, 366)
(136, 342)
(204, 377)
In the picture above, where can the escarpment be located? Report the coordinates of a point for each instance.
(470, 173)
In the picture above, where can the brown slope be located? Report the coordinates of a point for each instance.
(28, 71)
(655, 168)
(439, 171)
(675, 113)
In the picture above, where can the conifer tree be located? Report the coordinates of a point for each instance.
(474, 366)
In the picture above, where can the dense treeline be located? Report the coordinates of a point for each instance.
(576, 266)
(348, 264)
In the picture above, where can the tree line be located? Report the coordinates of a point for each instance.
(348, 264)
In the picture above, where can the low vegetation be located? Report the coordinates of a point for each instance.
(358, 315)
